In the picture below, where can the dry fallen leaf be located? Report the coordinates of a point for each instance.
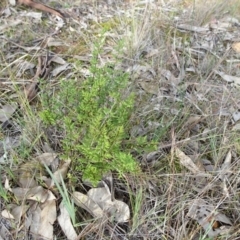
(236, 116)
(60, 69)
(23, 66)
(149, 87)
(31, 90)
(208, 217)
(14, 211)
(37, 16)
(98, 202)
(35, 214)
(5, 233)
(12, 2)
(187, 161)
(117, 210)
(88, 204)
(65, 223)
(9, 24)
(20, 193)
(27, 172)
(38, 194)
(48, 217)
(7, 214)
(52, 42)
(226, 166)
(236, 47)
(59, 60)
(192, 28)
(229, 78)
(46, 158)
(6, 112)
(61, 173)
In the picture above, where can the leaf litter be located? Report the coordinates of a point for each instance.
(199, 71)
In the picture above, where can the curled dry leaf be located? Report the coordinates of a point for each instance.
(7, 185)
(98, 202)
(120, 211)
(101, 196)
(65, 223)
